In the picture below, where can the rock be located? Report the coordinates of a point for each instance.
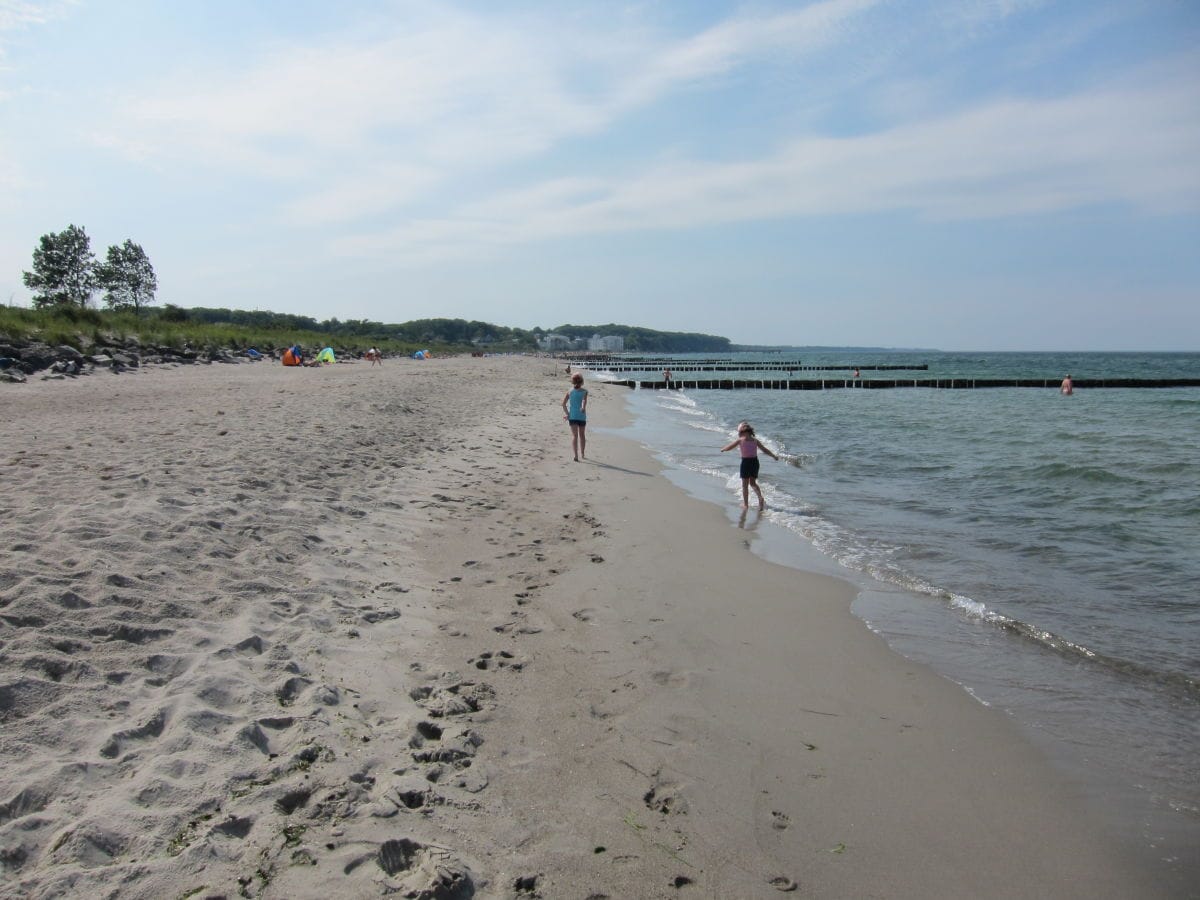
(37, 357)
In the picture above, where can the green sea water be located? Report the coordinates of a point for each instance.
(1043, 551)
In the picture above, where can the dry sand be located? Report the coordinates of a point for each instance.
(368, 630)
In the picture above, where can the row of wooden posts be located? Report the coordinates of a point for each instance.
(820, 384)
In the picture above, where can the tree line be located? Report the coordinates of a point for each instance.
(66, 273)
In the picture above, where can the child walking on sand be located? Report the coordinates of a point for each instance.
(574, 406)
(750, 445)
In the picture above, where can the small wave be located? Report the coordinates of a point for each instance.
(1086, 474)
(1064, 646)
(709, 426)
(832, 541)
(682, 410)
(973, 608)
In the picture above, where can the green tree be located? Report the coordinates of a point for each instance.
(127, 277)
(64, 270)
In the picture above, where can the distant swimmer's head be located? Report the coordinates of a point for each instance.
(577, 380)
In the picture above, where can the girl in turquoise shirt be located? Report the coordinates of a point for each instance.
(574, 406)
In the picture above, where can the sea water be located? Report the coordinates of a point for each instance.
(1043, 551)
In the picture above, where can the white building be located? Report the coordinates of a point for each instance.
(612, 342)
(554, 342)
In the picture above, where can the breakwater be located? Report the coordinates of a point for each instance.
(726, 366)
(820, 384)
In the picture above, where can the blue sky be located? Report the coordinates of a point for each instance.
(960, 174)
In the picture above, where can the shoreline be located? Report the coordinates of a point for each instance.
(1141, 804)
(377, 631)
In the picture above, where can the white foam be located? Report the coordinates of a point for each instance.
(971, 607)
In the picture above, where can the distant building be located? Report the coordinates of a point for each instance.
(554, 342)
(613, 343)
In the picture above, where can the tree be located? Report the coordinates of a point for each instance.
(127, 277)
(64, 270)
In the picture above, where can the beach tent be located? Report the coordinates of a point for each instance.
(291, 356)
(326, 356)
(420, 354)
(253, 354)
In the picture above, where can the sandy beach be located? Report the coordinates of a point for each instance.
(361, 631)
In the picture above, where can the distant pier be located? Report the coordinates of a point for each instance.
(958, 384)
(726, 366)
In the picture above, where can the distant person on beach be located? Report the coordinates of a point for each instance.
(574, 406)
(667, 378)
(375, 356)
(1068, 386)
(750, 445)
(856, 373)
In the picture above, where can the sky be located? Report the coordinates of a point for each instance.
(952, 174)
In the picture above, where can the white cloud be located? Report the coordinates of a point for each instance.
(375, 190)
(724, 46)
(1136, 147)
(452, 93)
(18, 14)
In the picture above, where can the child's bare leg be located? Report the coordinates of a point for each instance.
(745, 493)
(575, 442)
(583, 442)
(762, 504)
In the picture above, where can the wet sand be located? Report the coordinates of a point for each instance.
(366, 630)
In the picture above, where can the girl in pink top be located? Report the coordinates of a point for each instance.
(750, 445)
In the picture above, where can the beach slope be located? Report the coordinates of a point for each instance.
(369, 630)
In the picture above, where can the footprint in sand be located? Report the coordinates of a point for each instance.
(152, 728)
(291, 689)
(455, 748)
(665, 798)
(454, 698)
(411, 793)
(500, 659)
(413, 869)
(669, 679)
(251, 646)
